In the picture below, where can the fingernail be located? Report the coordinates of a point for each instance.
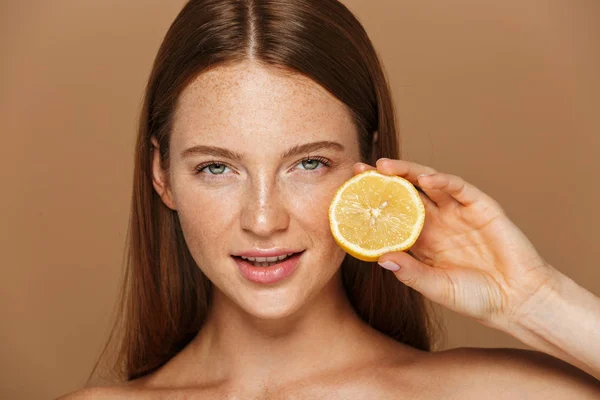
(424, 175)
(390, 265)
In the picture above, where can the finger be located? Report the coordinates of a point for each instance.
(455, 186)
(411, 172)
(361, 167)
(432, 283)
(406, 169)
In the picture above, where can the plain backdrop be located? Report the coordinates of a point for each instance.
(503, 93)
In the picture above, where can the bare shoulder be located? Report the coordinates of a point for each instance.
(514, 373)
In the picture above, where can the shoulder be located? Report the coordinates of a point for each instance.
(514, 373)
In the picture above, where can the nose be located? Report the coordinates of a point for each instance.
(264, 212)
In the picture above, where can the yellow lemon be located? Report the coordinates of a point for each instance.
(372, 214)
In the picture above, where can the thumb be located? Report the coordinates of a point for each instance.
(430, 282)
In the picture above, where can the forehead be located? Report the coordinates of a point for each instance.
(248, 102)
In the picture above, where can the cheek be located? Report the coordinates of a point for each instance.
(326, 255)
(309, 204)
(204, 216)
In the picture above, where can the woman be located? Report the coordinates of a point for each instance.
(255, 113)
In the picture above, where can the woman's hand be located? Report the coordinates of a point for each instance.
(469, 257)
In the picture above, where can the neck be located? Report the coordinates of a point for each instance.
(233, 344)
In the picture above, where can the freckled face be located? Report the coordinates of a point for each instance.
(264, 199)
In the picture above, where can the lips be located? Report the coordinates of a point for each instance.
(271, 274)
(265, 261)
(267, 252)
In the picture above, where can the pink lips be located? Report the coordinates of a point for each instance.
(268, 275)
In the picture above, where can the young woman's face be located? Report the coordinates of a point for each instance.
(256, 157)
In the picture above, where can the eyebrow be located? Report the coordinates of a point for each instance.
(295, 150)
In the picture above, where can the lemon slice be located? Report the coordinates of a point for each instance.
(372, 214)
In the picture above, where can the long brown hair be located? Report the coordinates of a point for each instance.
(165, 297)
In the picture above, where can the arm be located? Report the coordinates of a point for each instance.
(472, 259)
(563, 321)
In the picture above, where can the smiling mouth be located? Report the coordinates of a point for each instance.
(265, 262)
(265, 272)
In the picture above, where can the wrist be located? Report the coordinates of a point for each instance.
(525, 305)
(546, 300)
(563, 320)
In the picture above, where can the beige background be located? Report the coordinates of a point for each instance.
(505, 94)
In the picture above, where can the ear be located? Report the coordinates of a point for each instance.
(160, 179)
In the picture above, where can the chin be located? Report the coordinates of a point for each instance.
(272, 312)
(272, 303)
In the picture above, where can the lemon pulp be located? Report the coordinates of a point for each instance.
(372, 214)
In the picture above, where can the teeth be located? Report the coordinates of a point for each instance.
(267, 259)
(265, 264)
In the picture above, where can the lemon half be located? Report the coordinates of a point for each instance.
(372, 214)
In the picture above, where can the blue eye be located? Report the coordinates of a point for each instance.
(311, 164)
(217, 168)
(214, 168)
